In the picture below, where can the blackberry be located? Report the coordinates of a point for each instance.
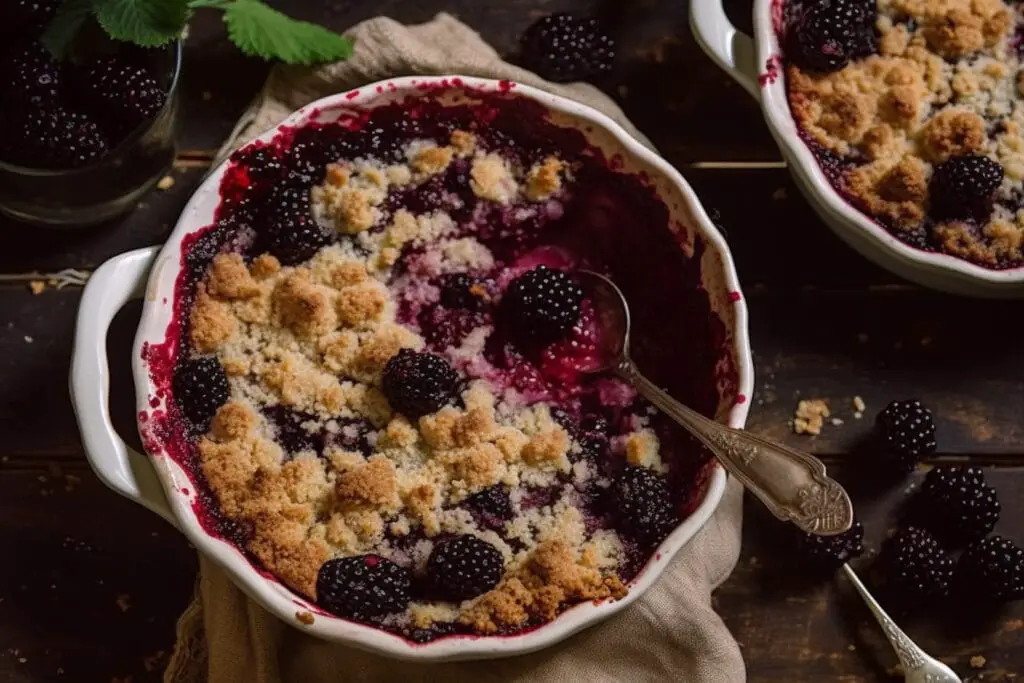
(362, 587)
(915, 566)
(542, 304)
(956, 504)
(419, 383)
(30, 76)
(562, 48)
(992, 570)
(464, 567)
(27, 15)
(642, 499)
(595, 425)
(306, 162)
(291, 434)
(830, 34)
(828, 553)
(907, 430)
(200, 388)
(459, 290)
(55, 138)
(962, 187)
(290, 232)
(122, 90)
(493, 505)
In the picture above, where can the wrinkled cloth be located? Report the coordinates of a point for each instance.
(670, 633)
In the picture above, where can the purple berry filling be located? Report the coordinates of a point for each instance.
(608, 221)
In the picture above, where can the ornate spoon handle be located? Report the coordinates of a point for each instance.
(792, 484)
(918, 666)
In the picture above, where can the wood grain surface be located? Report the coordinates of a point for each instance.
(92, 585)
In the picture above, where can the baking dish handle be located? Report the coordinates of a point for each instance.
(120, 467)
(731, 49)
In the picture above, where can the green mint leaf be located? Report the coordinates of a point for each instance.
(149, 23)
(260, 31)
(65, 26)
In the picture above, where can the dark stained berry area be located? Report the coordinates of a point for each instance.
(604, 221)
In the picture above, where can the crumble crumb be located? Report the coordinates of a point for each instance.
(977, 662)
(810, 416)
(544, 179)
(492, 179)
(37, 286)
(463, 142)
(305, 618)
(165, 183)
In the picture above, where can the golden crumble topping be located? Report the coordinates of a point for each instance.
(308, 454)
(944, 83)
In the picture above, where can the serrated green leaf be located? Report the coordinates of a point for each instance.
(261, 31)
(65, 26)
(149, 23)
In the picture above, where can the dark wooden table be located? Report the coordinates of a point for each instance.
(91, 585)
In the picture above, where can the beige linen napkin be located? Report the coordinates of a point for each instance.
(671, 633)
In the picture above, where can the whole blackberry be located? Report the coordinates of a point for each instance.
(642, 499)
(992, 569)
(122, 90)
(956, 504)
(828, 553)
(54, 137)
(832, 33)
(200, 388)
(419, 383)
(290, 232)
(362, 587)
(464, 567)
(493, 505)
(27, 15)
(962, 187)
(542, 304)
(459, 290)
(29, 75)
(561, 48)
(907, 430)
(915, 566)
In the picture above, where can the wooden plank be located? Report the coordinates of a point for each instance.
(792, 629)
(91, 585)
(36, 420)
(879, 345)
(775, 237)
(669, 87)
(951, 353)
(26, 248)
(89, 547)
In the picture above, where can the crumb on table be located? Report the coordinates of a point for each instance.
(977, 662)
(810, 416)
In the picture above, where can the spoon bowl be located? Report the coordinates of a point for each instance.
(792, 484)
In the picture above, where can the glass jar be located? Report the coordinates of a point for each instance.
(109, 187)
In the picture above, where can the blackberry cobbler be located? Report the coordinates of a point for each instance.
(913, 108)
(381, 374)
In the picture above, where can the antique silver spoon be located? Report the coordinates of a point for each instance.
(792, 484)
(918, 666)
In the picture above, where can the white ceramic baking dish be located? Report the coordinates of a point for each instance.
(755, 62)
(157, 482)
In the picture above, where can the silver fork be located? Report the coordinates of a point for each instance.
(918, 665)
